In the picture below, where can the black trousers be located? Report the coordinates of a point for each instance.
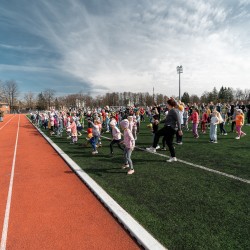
(168, 134)
(115, 142)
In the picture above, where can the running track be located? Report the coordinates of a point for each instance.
(49, 207)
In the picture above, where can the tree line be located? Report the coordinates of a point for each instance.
(46, 99)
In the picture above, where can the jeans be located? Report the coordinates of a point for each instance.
(213, 132)
(127, 157)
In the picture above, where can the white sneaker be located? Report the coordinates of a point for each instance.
(172, 159)
(237, 138)
(94, 152)
(157, 147)
(151, 149)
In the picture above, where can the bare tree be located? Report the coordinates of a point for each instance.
(48, 95)
(11, 93)
(30, 100)
(1, 91)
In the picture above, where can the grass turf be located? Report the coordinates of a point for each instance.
(182, 206)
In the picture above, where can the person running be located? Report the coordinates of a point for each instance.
(172, 122)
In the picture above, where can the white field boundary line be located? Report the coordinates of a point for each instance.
(197, 166)
(7, 122)
(142, 236)
(203, 168)
(8, 204)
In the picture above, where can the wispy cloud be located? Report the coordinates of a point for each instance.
(135, 45)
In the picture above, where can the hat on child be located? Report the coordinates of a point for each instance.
(113, 122)
(124, 123)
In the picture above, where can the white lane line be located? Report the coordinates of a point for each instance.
(197, 166)
(7, 122)
(7, 210)
(203, 168)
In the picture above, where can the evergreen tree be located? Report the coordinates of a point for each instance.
(40, 104)
(185, 98)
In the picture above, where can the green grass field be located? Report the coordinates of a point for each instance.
(183, 206)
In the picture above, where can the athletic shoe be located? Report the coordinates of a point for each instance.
(151, 149)
(243, 135)
(225, 134)
(163, 149)
(215, 142)
(172, 159)
(179, 143)
(131, 171)
(157, 147)
(125, 166)
(237, 138)
(95, 152)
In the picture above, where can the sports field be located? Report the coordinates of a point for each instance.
(202, 201)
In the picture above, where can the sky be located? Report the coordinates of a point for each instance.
(101, 46)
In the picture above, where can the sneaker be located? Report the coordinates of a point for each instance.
(215, 142)
(179, 143)
(172, 159)
(94, 152)
(225, 134)
(157, 147)
(125, 166)
(237, 138)
(151, 149)
(131, 171)
(163, 149)
(243, 134)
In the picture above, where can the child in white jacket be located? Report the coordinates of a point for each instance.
(116, 134)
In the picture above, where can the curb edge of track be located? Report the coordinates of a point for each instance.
(143, 237)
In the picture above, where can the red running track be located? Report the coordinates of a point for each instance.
(50, 208)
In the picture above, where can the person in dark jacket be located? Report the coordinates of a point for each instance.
(172, 122)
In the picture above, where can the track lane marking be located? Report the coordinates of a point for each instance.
(7, 122)
(8, 204)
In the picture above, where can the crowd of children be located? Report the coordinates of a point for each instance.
(176, 116)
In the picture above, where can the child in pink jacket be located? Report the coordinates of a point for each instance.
(73, 128)
(129, 143)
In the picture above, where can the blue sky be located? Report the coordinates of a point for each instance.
(99, 46)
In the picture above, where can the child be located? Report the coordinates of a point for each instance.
(195, 120)
(73, 130)
(116, 136)
(222, 119)
(239, 121)
(213, 127)
(96, 134)
(129, 143)
(204, 121)
(78, 126)
(185, 119)
(155, 127)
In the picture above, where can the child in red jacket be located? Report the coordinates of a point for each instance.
(195, 120)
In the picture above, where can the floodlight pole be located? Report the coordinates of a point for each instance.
(179, 71)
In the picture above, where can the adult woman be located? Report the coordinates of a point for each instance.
(171, 123)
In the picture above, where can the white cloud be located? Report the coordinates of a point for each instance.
(133, 46)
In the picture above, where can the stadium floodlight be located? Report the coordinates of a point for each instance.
(179, 71)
